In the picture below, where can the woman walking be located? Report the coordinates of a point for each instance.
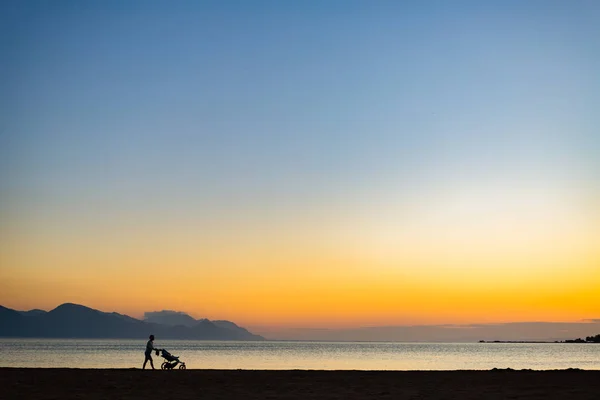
(148, 353)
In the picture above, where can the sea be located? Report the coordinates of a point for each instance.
(285, 355)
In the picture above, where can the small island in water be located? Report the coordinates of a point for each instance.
(589, 339)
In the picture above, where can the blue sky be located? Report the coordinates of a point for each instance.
(300, 96)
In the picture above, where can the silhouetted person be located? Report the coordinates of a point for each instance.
(148, 353)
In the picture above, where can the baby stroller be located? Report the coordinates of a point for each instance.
(171, 360)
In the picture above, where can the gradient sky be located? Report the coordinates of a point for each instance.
(302, 163)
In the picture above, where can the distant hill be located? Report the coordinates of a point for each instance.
(178, 318)
(33, 312)
(77, 321)
(171, 318)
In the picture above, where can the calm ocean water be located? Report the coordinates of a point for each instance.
(78, 353)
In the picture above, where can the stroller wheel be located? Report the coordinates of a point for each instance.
(163, 365)
(182, 366)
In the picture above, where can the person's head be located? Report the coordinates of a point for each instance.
(151, 337)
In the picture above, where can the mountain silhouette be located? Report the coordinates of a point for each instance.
(168, 317)
(178, 318)
(76, 321)
(33, 312)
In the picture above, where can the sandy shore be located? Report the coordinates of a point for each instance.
(22, 383)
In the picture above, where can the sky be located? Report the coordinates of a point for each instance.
(302, 164)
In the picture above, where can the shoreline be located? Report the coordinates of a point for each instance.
(298, 370)
(134, 383)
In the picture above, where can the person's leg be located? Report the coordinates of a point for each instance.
(151, 362)
(146, 360)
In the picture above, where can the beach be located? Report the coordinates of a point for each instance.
(129, 384)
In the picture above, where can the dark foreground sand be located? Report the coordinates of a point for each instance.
(22, 383)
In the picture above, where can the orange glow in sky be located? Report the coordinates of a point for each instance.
(437, 263)
(302, 164)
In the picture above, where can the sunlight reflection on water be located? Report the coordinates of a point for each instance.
(116, 353)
